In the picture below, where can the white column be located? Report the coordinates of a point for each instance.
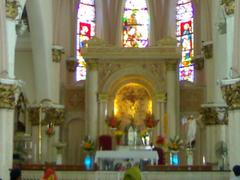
(161, 100)
(46, 71)
(11, 34)
(3, 47)
(8, 98)
(102, 128)
(236, 46)
(172, 98)
(234, 136)
(229, 42)
(91, 99)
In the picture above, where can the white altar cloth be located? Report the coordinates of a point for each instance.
(137, 155)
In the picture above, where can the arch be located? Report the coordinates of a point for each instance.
(135, 75)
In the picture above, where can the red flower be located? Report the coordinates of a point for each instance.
(112, 122)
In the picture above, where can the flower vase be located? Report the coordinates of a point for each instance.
(189, 156)
(174, 158)
(118, 140)
(89, 161)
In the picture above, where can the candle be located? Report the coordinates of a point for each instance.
(204, 160)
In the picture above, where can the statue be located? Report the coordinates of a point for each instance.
(191, 131)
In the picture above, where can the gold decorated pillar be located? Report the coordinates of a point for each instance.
(172, 97)
(230, 90)
(46, 117)
(91, 98)
(215, 119)
(102, 100)
(9, 91)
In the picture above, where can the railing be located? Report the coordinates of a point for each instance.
(146, 175)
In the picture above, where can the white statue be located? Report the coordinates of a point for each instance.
(191, 131)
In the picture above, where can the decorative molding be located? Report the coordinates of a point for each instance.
(21, 27)
(229, 6)
(91, 64)
(71, 64)
(9, 91)
(98, 49)
(7, 96)
(48, 111)
(102, 97)
(198, 62)
(231, 94)
(161, 97)
(171, 66)
(12, 9)
(57, 52)
(214, 115)
(207, 48)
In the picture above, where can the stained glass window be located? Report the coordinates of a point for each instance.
(135, 22)
(85, 31)
(185, 38)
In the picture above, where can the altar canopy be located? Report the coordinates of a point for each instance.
(131, 83)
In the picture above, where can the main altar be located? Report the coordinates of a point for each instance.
(130, 83)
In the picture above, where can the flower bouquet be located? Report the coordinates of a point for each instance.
(161, 142)
(112, 122)
(88, 144)
(175, 144)
(149, 121)
(118, 135)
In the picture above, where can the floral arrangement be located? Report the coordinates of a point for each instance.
(175, 144)
(112, 122)
(149, 121)
(161, 141)
(88, 144)
(118, 135)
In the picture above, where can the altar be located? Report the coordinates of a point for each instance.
(130, 157)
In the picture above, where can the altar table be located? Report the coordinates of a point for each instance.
(136, 155)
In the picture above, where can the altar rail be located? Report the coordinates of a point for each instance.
(146, 175)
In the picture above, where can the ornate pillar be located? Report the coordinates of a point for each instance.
(230, 90)
(102, 99)
(172, 97)
(9, 91)
(161, 101)
(215, 118)
(91, 98)
(46, 117)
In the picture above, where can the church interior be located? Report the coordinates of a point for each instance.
(92, 88)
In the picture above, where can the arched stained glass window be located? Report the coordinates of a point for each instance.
(185, 38)
(135, 24)
(85, 31)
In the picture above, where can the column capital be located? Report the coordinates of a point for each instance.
(161, 97)
(46, 112)
(9, 91)
(171, 66)
(102, 97)
(231, 95)
(214, 115)
(12, 9)
(229, 6)
(92, 64)
(57, 52)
